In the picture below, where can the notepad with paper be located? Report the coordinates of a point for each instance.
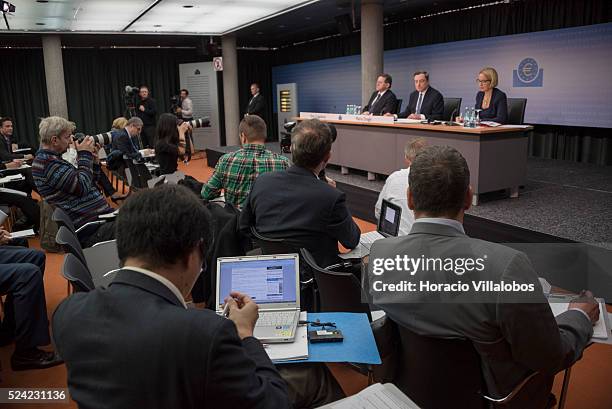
(559, 304)
(22, 233)
(291, 351)
(377, 396)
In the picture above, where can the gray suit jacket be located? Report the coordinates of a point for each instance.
(513, 339)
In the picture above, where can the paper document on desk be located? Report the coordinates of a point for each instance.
(25, 166)
(12, 178)
(22, 233)
(377, 396)
(490, 123)
(601, 327)
(408, 121)
(21, 150)
(291, 351)
(515, 126)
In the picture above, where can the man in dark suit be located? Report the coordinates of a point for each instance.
(514, 331)
(126, 139)
(383, 101)
(257, 103)
(147, 111)
(295, 205)
(13, 161)
(136, 344)
(425, 102)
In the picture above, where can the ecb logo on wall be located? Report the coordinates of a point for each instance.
(528, 74)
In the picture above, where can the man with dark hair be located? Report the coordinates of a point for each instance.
(295, 205)
(425, 102)
(13, 161)
(150, 350)
(257, 103)
(185, 111)
(147, 111)
(236, 171)
(515, 333)
(126, 139)
(383, 100)
(25, 308)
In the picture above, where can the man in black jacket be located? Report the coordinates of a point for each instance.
(147, 111)
(383, 100)
(11, 160)
(136, 344)
(295, 205)
(425, 102)
(257, 103)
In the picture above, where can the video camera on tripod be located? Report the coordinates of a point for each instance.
(129, 99)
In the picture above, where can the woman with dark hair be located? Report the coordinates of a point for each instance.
(170, 143)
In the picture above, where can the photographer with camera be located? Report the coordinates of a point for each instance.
(171, 143)
(71, 189)
(146, 110)
(185, 112)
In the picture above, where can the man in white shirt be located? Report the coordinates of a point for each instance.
(396, 187)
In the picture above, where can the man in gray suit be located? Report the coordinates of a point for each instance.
(510, 325)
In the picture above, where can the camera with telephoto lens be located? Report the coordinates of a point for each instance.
(199, 123)
(101, 139)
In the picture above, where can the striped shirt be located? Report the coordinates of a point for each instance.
(236, 171)
(71, 189)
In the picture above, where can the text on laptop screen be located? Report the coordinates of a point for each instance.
(265, 281)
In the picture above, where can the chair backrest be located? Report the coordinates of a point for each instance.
(452, 107)
(77, 274)
(398, 107)
(138, 174)
(439, 373)
(62, 219)
(270, 245)
(70, 243)
(516, 110)
(338, 291)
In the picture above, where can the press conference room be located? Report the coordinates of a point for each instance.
(341, 204)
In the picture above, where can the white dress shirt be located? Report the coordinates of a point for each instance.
(422, 99)
(395, 190)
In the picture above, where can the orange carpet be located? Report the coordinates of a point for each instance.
(589, 388)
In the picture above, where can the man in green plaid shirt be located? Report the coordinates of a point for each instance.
(236, 171)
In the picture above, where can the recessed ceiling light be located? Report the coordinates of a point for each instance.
(157, 25)
(40, 24)
(42, 1)
(188, 6)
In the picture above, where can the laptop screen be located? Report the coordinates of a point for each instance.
(390, 216)
(265, 281)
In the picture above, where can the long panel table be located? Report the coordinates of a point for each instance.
(497, 157)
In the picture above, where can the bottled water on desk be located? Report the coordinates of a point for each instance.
(467, 118)
(358, 110)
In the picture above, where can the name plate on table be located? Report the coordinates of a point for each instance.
(372, 119)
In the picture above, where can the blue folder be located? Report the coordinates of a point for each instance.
(358, 345)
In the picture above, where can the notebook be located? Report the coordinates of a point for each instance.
(601, 329)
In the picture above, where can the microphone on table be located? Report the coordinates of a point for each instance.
(450, 122)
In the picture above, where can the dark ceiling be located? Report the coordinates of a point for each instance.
(307, 23)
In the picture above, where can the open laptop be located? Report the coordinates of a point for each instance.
(388, 225)
(273, 282)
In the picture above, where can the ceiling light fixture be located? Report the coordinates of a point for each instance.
(188, 6)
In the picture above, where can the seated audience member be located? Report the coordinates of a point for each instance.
(127, 140)
(25, 308)
(489, 98)
(513, 339)
(28, 206)
(71, 189)
(383, 101)
(236, 171)
(295, 205)
(119, 123)
(102, 180)
(395, 189)
(171, 142)
(13, 161)
(153, 351)
(425, 102)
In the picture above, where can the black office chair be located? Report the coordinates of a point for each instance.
(137, 174)
(308, 290)
(398, 107)
(62, 219)
(452, 108)
(338, 291)
(70, 243)
(77, 274)
(440, 372)
(516, 110)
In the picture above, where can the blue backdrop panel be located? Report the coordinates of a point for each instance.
(564, 74)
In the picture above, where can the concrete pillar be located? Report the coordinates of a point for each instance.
(230, 90)
(372, 46)
(54, 75)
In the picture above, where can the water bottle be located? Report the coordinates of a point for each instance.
(358, 110)
(347, 109)
(466, 118)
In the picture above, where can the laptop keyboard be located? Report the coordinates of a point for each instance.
(275, 318)
(371, 237)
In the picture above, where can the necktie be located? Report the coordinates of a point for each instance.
(419, 102)
(374, 102)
